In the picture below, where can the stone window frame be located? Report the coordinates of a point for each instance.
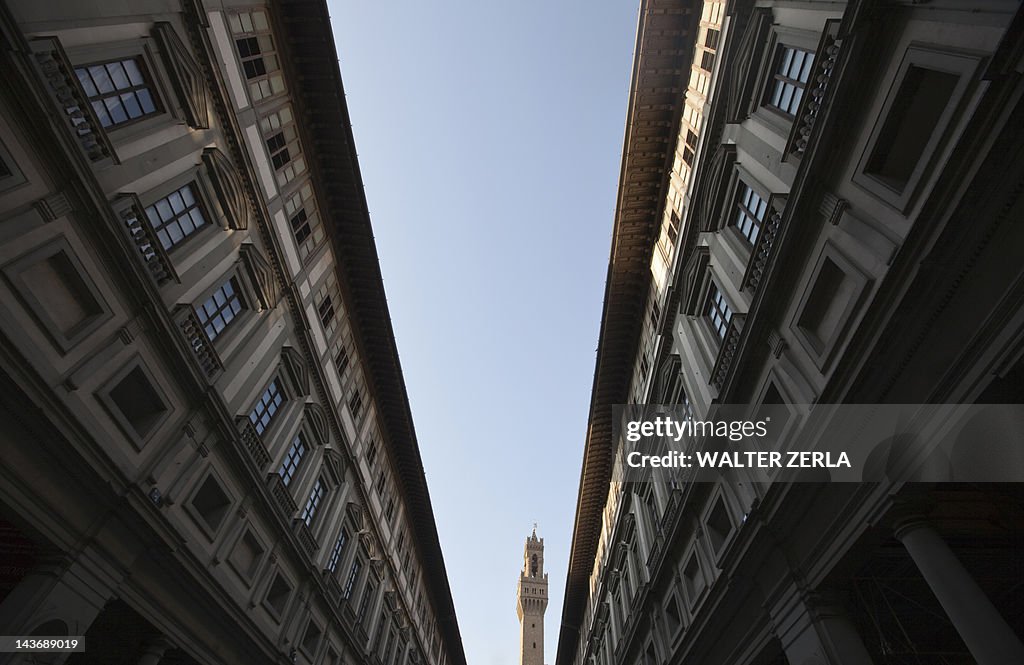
(277, 616)
(726, 222)
(138, 442)
(268, 75)
(966, 65)
(248, 578)
(229, 339)
(290, 171)
(146, 49)
(186, 251)
(14, 176)
(210, 531)
(320, 638)
(823, 352)
(780, 36)
(693, 551)
(718, 494)
(14, 270)
(308, 247)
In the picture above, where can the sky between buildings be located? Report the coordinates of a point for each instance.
(490, 139)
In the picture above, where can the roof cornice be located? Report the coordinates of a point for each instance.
(664, 48)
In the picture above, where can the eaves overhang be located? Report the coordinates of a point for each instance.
(661, 64)
(319, 98)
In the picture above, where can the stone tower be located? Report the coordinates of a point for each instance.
(531, 601)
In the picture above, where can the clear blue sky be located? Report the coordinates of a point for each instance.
(490, 138)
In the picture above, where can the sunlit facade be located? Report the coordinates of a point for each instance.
(208, 453)
(819, 203)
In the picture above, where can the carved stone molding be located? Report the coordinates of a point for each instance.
(229, 188)
(260, 273)
(316, 417)
(186, 76)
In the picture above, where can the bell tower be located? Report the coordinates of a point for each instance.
(531, 601)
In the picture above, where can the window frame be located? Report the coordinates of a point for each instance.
(205, 199)
(781, 36)
(299, 438)
(244, 299)
(145, 49)
(289, 172)
(268, 75)
(966, 65)
(709, 304)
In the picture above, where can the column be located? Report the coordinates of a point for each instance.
(990, 640)
(812, 627)
(155, 651)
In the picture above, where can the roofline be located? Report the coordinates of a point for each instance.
(665, 32)
(320, 101)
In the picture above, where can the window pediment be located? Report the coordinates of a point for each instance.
(228, 185)
(186, 76)
(296, 369)
(317, 419)
(260, 274)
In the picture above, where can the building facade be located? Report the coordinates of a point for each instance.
(208, 451)
(532, 602)
(819, 203)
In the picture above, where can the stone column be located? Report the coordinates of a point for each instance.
(820, 634)
(990, 640)
(155, 651)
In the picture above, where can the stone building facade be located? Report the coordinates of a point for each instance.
(819, 203)
(208, 452)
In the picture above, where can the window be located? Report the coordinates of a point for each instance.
(341, 358)
(266, 408)
(277, 594)
(918, 118)
(256, 53)
(247, 555)
(792, 71)
(751, 211)
(220, 309)
(282, 141)
(211, 503)
(371, 452)
(350, 582)
(389, 512)
(118, 91)
(380, 482)
(316, 495)
(339, 548)
(707, 61)
(368, 593)
(176, 216)
(711, 38)
(915, 113)
(292, 460)
(718, 524)
(311, 638)
(355, 403)
(328, 301)
(718, 311)
(690, 148)
(138, 402)
(326, 310)
(304, 221)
